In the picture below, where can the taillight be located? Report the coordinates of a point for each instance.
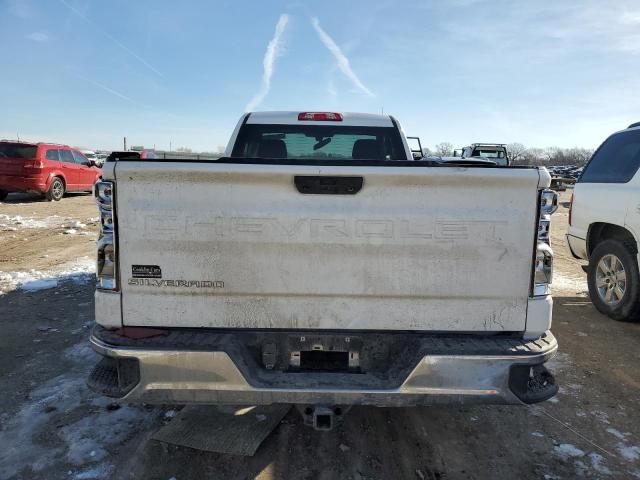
(320, 116)
(543, 261)
(570, 208)
(35, 163)
(107, 262)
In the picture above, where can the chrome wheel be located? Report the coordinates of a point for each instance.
(611, 279)
(57, 189)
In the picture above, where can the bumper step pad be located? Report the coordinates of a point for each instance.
(114, 377)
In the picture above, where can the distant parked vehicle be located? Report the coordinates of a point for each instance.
(496, 152)
(604, 224)
(101, 158)
(92, 157)
(45, 168)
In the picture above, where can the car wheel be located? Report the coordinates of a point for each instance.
(614, 280)
(56, 190)
(3, 194)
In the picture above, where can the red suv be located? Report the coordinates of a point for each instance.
(45, 168)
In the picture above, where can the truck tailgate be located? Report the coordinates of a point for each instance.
(238, 246)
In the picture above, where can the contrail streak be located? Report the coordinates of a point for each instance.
(341, 59)
(112, 38)
(273, 49)
(110, 90)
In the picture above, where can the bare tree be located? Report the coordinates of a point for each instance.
(517, 153)
(444, 149)
(578, 156)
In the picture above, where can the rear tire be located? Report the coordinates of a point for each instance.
(3, 194)
(56, 190)
(614, 280)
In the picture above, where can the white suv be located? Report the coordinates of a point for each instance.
(604, 224)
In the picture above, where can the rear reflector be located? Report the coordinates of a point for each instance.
(320, 116)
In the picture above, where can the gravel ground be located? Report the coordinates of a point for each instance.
(52, 427)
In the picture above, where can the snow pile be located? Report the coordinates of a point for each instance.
(12, 223)
(80, 271)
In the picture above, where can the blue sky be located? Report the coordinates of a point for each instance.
(88, 72)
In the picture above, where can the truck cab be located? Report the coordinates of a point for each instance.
(496, 152)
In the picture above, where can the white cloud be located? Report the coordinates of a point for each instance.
(341, 59)
(39, 37)
(268, 62)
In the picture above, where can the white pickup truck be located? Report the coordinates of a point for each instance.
(318, 264)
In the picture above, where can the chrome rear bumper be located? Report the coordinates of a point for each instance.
(159, 373)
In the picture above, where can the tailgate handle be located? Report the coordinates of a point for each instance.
(324, 185)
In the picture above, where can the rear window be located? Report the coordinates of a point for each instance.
(616, 161)
(497, 155)
(18, 150)
(319, 142)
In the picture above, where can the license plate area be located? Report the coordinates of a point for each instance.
(331, 353)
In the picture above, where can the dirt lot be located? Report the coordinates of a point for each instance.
(52, 427)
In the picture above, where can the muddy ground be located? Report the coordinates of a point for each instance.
(52, 427)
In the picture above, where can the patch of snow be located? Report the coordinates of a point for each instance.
(12, 223)
(566, 450)
(100, 472)
(86, 442)
(42, 284)
(616, 433)
(170, 414)
(70, 231)
(597, 464)
(76, 224)
(581, 468)
(601, 416)
(630, 453)
(570, 284)
(88, 439)
(79, 271)
(559, 362)
(81, 353)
